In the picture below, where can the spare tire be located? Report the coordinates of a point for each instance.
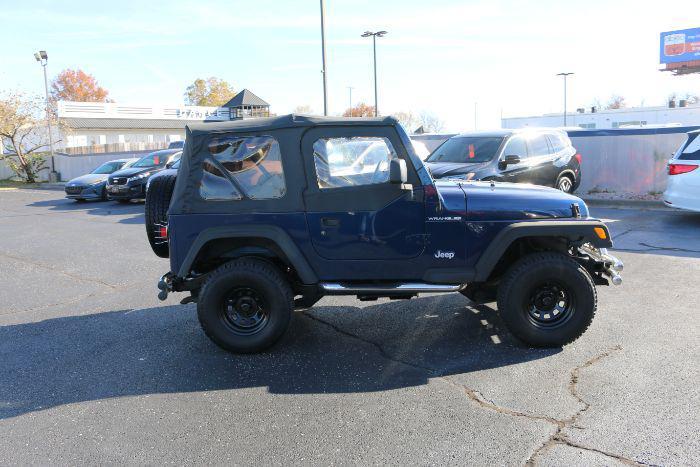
(160, 190)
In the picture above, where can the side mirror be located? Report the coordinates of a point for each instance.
(397, 171)
(508, 160)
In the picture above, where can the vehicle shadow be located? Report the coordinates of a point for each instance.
(95, 208)
(331, 349)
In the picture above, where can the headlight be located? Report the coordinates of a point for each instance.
(138, 177)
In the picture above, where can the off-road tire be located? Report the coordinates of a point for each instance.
(216, 308)
(158, 196)
(522, 283)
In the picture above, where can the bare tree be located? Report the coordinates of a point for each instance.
(303, 110)
(430, 122)
(408, 120)
(24, 134)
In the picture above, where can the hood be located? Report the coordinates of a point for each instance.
(515, 201)
(454, 169)
(88, 179)
(131, 171)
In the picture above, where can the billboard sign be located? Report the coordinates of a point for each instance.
(680, 46)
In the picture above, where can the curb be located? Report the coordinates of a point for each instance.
(627, 203)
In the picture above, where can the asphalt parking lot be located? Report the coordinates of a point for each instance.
(94, 369)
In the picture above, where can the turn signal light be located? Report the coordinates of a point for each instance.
(600, 232)
(677, 169)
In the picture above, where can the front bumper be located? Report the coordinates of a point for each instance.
(128, 191)
(611, 265)
(84, 192)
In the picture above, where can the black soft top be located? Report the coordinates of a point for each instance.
(285, 121)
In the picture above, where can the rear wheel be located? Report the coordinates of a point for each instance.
(565, 184)
(547, 299)
(158, 196)
(245, 306)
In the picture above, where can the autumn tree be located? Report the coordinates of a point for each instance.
(23, 133)
(210, 92)
(76, 85)
(360, 110)
(616, 102)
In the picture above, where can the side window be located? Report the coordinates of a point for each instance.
(243, 167)
(516, 147)
(355, 161)
(557, 143)
(691, 151)
(538, 146)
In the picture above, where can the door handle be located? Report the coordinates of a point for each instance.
(330, 222)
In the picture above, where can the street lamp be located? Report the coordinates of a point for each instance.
(564, 75)
(374, 36)
(43, 59)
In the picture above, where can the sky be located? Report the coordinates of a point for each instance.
(467, 62)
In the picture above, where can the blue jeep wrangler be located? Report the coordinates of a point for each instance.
(269, 215)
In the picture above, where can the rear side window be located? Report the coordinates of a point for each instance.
(538, 145)
(516, 147)
(557, 142)
(691, 151)
(356, 161)
(243, 167)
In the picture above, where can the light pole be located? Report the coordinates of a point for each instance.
(374, 50)
(323, 57)
(564, 75)
(43, 59)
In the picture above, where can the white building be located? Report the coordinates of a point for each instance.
(112, 127)
(680, 115)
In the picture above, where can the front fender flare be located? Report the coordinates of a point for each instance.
(576, 231)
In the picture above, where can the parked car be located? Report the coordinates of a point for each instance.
(127, 184)
(538, 156)
(176, 145)
(683, 189)
(260, 222)
(92, 185)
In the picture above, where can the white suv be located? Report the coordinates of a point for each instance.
(683, 190)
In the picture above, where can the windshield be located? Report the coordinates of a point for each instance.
(152, 160)
(467, 149)
(108, 168)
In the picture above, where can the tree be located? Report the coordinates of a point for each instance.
(23, 132)
(430, 122)
(408, 120)
(360, 110)
(76, 85)
(616, 102)
(303, 110)
(210, 92)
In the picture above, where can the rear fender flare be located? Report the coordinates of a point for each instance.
(268, 232)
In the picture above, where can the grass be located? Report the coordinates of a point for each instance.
(16, 184)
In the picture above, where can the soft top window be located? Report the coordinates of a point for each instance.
(243, 167)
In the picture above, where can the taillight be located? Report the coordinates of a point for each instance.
(677, 169)
(578, 157)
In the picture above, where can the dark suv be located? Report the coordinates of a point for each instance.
(127, 184)
(538, 156)
(271, 214)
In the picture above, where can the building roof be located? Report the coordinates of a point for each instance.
(246, 97)
(125, 123)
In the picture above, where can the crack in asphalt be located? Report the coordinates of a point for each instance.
(557, 437)
(59, 271)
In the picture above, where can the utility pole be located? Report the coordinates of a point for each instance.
(323, 53)
(564, 75)
(43, 58)
(374, 36)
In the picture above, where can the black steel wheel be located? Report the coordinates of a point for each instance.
(245, 305)
(547, 299)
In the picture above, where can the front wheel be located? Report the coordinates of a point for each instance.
(547, 299)
(245, 305)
